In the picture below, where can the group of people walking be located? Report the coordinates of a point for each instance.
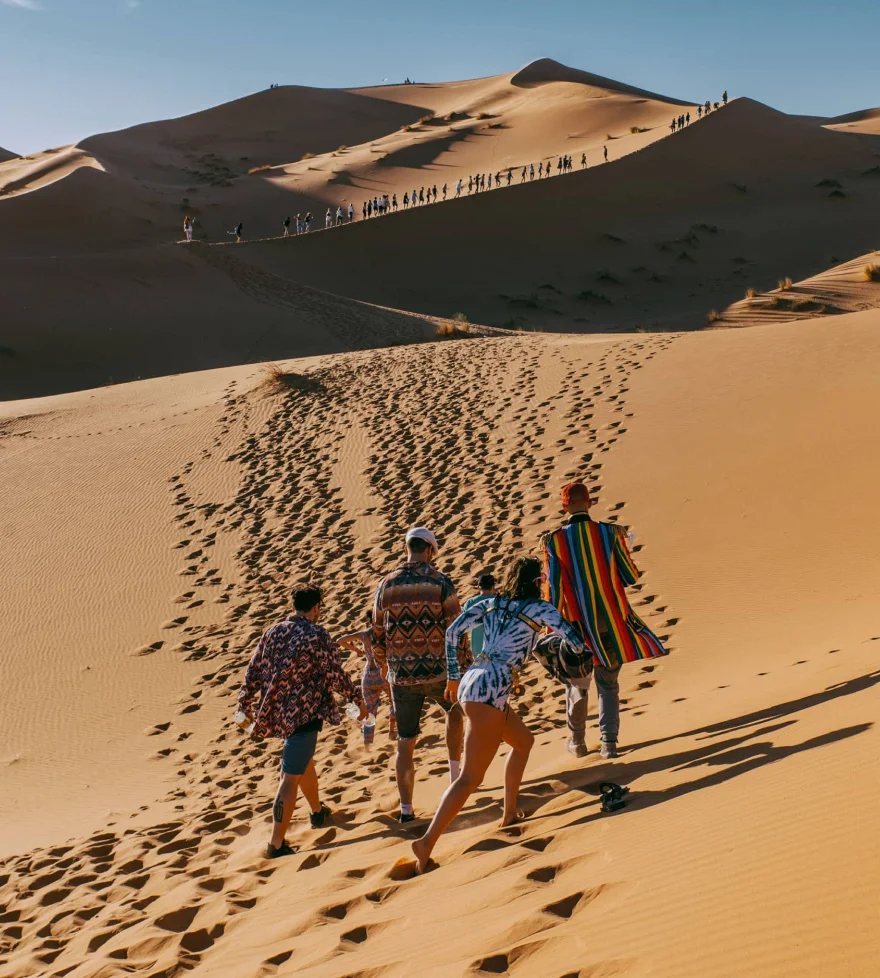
(681, 121)
(567, 607)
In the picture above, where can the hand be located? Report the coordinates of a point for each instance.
(451, 694)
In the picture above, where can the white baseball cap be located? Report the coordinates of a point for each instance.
(422, 533)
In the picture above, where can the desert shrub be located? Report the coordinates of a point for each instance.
(457, 326)
(277, 380)
(751, 293)
(872, 273)
(714, 316)
(785, 284)
(635, 130)
(485, 115)
(609, 137)
(461, 322)
(426, 118)
(307, 156)
(828, 182)
(260, 169)
(614, 238)
(342, 148)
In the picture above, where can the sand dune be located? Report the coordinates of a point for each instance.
(166, 310)
(744, 460)
(848, 287)
(656, 240)
(865, 120)
(6, 154)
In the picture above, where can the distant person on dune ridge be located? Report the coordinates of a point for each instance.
(188, 227)
(308, 221)
(699, 111)
(540, 170)
(394, 202)
(286, 226)
(588, 567)
(238, 231)
(458, 188)
(605, 148)
(350, 213)
(405, 199)
(444, 191)
(531, 171)
(288, 693)
(583, 161)
(340, 215)
(364, 211)
(512, 622)
(328, 218)
(413, 607)
(509, 175)
(522, 176)
(724, 97)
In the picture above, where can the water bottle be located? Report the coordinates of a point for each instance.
(242, 720)
(369, 729)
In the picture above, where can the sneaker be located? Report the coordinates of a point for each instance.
(406, 817)
(273, 852)
(577, 747)
(608, 750)
(317, 819)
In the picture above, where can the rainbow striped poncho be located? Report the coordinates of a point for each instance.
(588, 569)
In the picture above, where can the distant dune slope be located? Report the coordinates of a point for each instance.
(151, 532)
(86, 321)
(865, 120)
(742, 198)
(848, 287)
(6, 154)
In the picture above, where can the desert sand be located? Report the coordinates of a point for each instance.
(152, 529)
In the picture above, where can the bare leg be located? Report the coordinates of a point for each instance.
(285, 802)
(454, 733)
(406, 769)
(309, 786)
(521, 739)
(484, 733)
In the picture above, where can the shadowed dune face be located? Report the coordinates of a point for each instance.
(158, 528)
(6, 154)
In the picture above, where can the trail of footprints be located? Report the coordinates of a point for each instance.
(137, 898)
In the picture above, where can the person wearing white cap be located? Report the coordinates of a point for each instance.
(414, 606)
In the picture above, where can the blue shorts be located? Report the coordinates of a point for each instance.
(299, 748)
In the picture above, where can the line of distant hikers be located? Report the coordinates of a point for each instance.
(567, 607)
(382, 204)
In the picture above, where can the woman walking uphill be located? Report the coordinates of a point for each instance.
(511, 624)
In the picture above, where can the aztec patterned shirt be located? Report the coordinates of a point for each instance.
(413, 608)
(291, 678)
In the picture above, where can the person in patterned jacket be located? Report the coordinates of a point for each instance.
(413, 608)
(288, 692)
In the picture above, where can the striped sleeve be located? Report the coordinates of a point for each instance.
(626, 566)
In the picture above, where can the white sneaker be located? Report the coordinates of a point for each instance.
(578, 748)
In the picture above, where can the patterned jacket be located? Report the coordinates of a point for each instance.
(588, 570)
(413, 608)
(291, 678)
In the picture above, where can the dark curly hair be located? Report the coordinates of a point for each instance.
(522, 579)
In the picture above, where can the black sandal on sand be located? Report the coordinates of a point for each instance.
(613, 796)
(273, 852)
(403, 817)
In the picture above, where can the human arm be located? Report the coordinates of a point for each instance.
(377, 631)
(464, 623)
(336, 677)
(355, 642)
(626, 566)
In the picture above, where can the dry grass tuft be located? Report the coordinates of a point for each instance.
(785, 284)
(714, 316)
(751, 293)
(872, 273)
(260, 169)
(277, 380)
(635, 130)
(307, 156)
(457, 327)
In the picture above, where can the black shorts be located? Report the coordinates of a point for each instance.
(409, 702)
(299, 748)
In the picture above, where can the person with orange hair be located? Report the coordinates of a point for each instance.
(589, 567)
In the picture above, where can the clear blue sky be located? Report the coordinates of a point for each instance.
(75, 67)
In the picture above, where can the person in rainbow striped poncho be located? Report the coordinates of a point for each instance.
(588, 568)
